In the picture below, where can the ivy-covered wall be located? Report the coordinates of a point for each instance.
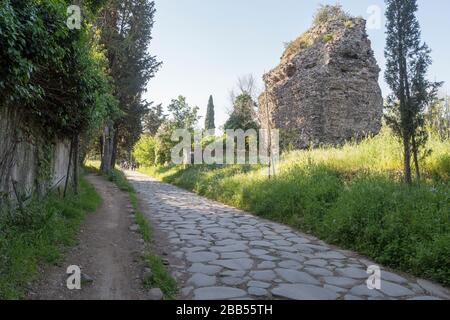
(54, 88)
(29, 163)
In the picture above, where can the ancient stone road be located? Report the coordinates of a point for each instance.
(219, 252)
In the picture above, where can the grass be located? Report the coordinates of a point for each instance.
(351, 196)
(304, 41)
(160, 277)
(39, 234)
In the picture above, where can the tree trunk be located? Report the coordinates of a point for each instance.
(9, 140)
(114, 148)
(76, 149)
(404, 104)
(407, 159)
(416, 157)
(101, 147)
(108, 143)
(68, 169)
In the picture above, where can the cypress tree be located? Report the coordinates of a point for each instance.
(408, 60)
(209, 120)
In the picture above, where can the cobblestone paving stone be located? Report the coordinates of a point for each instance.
(230, 254)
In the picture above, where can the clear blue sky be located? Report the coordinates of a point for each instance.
(207, 44)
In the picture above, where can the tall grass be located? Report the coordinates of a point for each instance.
(352, 196)
(39, 234)
(380, 154)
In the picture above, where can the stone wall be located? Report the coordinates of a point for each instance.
(327, 91)
(20, 161)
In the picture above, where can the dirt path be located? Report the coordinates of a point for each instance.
(108, 252)
(219, 252)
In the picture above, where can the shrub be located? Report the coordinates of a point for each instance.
(349, 23)
(329, 37)
(303, 42)
(403, 227)
(328, 13)
(145, 151)
(325, 14)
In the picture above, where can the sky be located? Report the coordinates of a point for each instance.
(206, 45)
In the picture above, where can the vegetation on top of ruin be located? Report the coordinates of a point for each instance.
(325, 14)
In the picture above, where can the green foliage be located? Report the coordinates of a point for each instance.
(407, 63)
(153, 119)
(160, 278)
(329, 37)
(37, 234)
(303, 42)
(209, 119)
(243, 115)
(54, 74)
(145, 151)
(351, 196)
(405, 228)
(327, 13)
(438, 117)
(28, 40)
(164, 144)
(126, 35)
(349, 23)
(118, 177)
(183, 116)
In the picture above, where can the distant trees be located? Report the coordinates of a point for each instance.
(155, 147)
(182, 115)
(52, 79)
(438, 117)
(210, 117)
(243, 115)
(408, 60)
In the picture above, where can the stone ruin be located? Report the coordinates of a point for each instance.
(325, 90)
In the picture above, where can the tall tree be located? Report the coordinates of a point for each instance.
(126, 33)
(408, 60)
(210, 117)
(182, 115)
(153, 118)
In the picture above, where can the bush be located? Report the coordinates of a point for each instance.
(328, 13)
(305, 41)
(145, 151)
(403, 227)
(324, 15)
(329, 37)
(118, 177)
